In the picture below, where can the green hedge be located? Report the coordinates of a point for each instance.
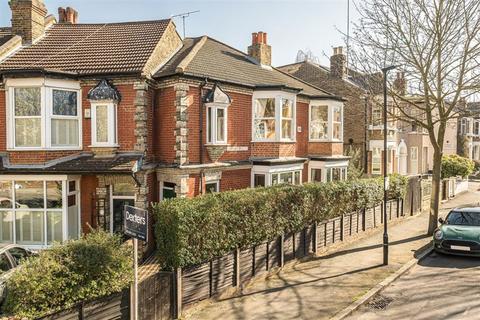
(190, 231)
(96, 265)
(455, 165)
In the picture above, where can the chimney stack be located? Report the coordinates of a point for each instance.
(260, 50)
(400, 84)
(68, 15)
(338, 63)
(28, 19)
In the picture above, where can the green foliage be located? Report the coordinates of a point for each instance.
(398, 186)
(190, 231)
(355, 165)
(455, 165)
(94, 266)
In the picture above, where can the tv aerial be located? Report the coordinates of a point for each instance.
(183, 16)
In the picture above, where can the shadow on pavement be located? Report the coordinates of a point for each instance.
(287, 285)
(376, 246)
(438, 260)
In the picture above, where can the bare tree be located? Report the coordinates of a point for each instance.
(436, 44)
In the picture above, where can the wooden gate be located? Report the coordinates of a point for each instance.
(154, 297)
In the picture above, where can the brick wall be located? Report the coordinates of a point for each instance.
(164, 126)
(235, 179)
(3, 119)
(325, 148)
(273, 149)
(302, 137)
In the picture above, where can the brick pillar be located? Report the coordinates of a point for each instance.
(141, 114)
(181, 130)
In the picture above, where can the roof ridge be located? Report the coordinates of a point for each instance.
(69, 47)
(110, 23)
(182, 66)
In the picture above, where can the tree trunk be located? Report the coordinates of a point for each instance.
(436, 191)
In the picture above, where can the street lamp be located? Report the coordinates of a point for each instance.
(385, 173)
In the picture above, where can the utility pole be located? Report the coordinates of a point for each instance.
(183, 16)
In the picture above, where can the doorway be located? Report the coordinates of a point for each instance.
(121, 195)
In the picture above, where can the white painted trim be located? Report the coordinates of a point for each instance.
(324, 165)
(112, 124)
(46, 86)
(278, 96)
(269, 170)
(331, 104)
(214, 107)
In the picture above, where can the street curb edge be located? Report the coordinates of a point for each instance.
(379, 287)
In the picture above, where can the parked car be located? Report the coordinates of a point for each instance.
(459, 233)
(11, 257)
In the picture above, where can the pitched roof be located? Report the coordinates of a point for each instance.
(306, 71)
(206, 57)
(88, 49)
(5, 35)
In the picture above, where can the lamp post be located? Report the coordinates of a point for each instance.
(385, 171)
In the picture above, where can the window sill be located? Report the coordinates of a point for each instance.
(104, 146)
(217, 144)
(274, 141)
(45, 149)
(325, 141)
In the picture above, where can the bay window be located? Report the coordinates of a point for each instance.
(37, 211)
(104, 124)
(216, 124)
(328, 170)
(265, 175)
(326, 121)
(43, 114)
(273, 116)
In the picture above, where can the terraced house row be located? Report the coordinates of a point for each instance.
(96, 116)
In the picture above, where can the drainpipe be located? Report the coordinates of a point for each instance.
(200, 139)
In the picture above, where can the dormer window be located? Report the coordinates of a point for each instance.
(273, 117)
(43, 114)
(217, 102)
(104, 99)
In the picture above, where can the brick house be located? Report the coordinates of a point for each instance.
(363, 117)
(76, 104)
(236, 122)
(102, 115)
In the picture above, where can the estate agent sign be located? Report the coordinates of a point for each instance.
(136, 223)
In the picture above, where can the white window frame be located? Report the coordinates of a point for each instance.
(376, 170)
(162, 186)
(46, 86)
(214, 107)
(64, 210)
(112, 124)
(216, 183)
(326, 166)
(269, 171)
(113, 197)
(331, 105)
(278, 96)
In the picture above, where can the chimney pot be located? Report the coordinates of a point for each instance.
(260, 50)
(68, 15)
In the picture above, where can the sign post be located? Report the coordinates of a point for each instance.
(135, 226)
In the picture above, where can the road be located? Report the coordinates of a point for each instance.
(438, 287)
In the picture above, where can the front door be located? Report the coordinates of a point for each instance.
(117, 214)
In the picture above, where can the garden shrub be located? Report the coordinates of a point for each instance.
(58, 278)
(455, 165)
(191, 231)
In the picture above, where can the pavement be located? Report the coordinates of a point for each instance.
(322, 286)
(438, 287)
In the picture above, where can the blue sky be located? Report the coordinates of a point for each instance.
(291, 24)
